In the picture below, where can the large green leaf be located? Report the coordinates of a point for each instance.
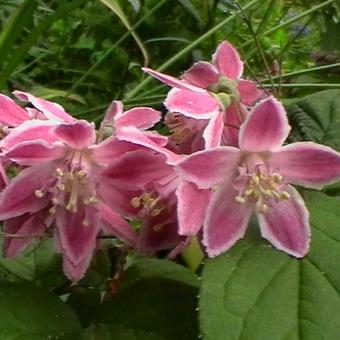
(156, 301)
(256, 292)
(109, 332)
(317, 118)
(30, 313)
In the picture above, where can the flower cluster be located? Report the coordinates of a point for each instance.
(223, 161)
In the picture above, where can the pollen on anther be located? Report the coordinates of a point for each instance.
(135, 202)
(285, 195)
(239, 199)
(61, 187)
(53, 210)
(86, 223)
(38, 193)
(59, 172)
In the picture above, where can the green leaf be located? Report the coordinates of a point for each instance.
(29, 313)
(317, 118)
(256, 292)
(84, 303)
(156, 301)
(109, 332)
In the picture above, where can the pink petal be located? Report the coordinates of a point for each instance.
(118, 199)
(265, 128)
(159, 232)
(171, 81)
(308, 164)
(111, 148)
(249, 92)
(211, 167)
(136, 169)
(31, 153)
(226, 221)
(51, 110)
(201, 74)
(191, 208)
(157, 138)
(76, 272)
(114, 110)
(19, 196)
(214, 130)
(228, 61)
(29, 131)
(77, 135)
(3, 176)
(24, 225)
(286, 225)
(133, 135)
(114, 224)
(198, 105)
(77, 232)
(140, 117)
(11, 114)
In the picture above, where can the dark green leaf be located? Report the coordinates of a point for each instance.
(256, 292)
(29, 313)
(157, 301)
(317, 118)
(109, 332)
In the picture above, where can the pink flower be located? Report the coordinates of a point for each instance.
(141, 186)
(256, 177)
(63, 177)
(213, 92)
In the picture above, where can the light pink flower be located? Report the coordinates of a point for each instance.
(63, 176)
(256, 177)
(213, 92)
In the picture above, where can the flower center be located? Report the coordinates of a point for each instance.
(149, 204)
(225, 91)
(180, 131)
(262, 187)
(72, 187)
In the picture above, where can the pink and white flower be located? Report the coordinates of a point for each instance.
(213, 92)
(256, 177)
(62, 177)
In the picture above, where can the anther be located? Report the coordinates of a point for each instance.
(61, 186)
(285, 195)
(38, 193)
(277, 178)
(59, 172)
(53, 210)
(135, 202)
(81, 174)
(249, 192)
(54, 200)
(240, 199)
(93, 200)
(86, 222)
(155, 212)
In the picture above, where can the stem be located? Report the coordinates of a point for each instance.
(307, 70)
(258, 46)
